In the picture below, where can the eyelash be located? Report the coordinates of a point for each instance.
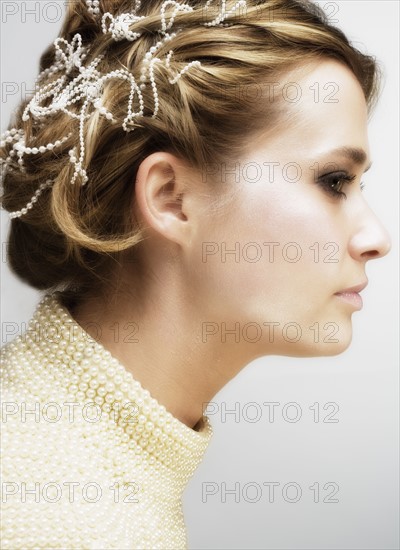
(328, 183)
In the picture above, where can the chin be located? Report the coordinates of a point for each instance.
(327, 346)
(327, 349)
(334, 349)
(334, 337)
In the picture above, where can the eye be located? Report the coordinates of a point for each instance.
(333, 183)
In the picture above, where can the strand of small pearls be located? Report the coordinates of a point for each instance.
(19, 213)
(119, 26)
(8, 137)
(223, 14)
(66, 97)
(19, 149)
(93, 7)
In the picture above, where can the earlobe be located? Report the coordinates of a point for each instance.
(160, 196)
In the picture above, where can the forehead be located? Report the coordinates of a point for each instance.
(322, 107)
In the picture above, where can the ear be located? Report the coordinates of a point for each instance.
(162, 196)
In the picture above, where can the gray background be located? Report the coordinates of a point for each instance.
(358, 452)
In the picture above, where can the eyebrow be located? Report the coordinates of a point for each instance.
(358, 156)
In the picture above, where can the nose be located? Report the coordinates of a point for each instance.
(371, 240)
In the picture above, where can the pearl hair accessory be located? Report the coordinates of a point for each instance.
(88, 85)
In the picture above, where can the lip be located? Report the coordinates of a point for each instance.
(351, 296)
(353, 289)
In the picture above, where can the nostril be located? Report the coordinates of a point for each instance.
(371, 254)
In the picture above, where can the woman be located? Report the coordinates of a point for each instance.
(171, 147)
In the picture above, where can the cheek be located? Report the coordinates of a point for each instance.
(269, 255)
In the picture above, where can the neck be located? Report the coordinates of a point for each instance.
(160, 341)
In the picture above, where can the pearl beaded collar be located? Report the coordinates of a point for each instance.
(137, 471)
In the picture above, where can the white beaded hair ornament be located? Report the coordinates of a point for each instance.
(88, 85)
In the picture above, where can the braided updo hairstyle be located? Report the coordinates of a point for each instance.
(73, 238)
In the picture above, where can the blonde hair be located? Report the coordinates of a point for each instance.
(74, 236)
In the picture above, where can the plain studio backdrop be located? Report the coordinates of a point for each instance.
(305, 451)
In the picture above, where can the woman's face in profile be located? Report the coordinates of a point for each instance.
(273, 259)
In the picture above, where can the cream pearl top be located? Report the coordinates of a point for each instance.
(89, 458)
